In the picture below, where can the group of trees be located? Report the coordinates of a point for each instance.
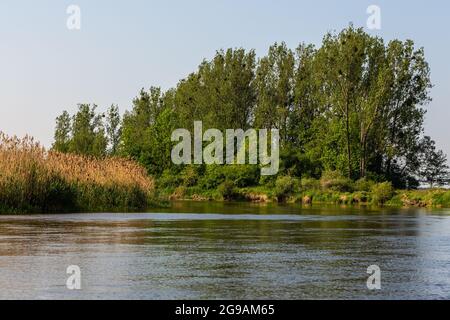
(353, 105)
(88, 132)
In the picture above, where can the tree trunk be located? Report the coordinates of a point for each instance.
(349, 152)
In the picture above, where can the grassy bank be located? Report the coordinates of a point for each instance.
(330, 189)
(437, 198)
(34, 180)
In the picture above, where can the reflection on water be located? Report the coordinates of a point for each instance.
(228, 251)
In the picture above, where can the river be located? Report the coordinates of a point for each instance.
(228, 251)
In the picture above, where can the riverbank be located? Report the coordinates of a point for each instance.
(383, 196)
(33, 180)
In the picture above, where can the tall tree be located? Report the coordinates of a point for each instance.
(88, 132)
(62, 133)
(274, 86)
(113, 129)
(434, 169)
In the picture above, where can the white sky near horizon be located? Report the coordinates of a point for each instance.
(124, 46)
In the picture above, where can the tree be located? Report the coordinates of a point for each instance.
(402, 116)
(88, 132)
(113, 129)
(62, 133)
(434, 169)
(355, 105)
(275, 93)
(147, 128)
(136, 122)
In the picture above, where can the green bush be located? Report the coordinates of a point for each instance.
(333, 180)
(382, 192)
(284, 187)
(169, 180)
(361, 197)
(442, 199)
(364, 184)
(227, 190)
(268, 181)
(310, 184)
(189, 176)
(241, 175)
(214, 176)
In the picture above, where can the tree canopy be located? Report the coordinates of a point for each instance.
(355, 105)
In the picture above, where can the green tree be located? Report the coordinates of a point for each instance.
(403, 114)
(275, 93)
(113, 129)
(434, 169)
(62, 133)
(88, 132)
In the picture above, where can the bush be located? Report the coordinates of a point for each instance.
(169, 180)
(442, 199)
(333, 180)
(382, 192)
(364, 184)
(189, 176)
(241, 175)
(310, 184)
(360, 197)
(284, 187)
(212, 178)
(227, 190)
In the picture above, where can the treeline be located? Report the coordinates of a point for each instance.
(354, 105)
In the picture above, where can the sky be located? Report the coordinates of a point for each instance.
(123, 46)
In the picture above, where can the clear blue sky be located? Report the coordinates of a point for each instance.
(126, 45)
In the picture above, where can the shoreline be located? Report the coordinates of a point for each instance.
(425, 198)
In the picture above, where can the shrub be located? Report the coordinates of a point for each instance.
(284, 187)
(382, 192)
(442, 199)
(310, 184)
(268, 181)
(363, 184)
(179, 193)
(189, 176)
(333, 180)
(169, 180)
(212, 178)
(242, 175)
(227, 190)
(360, 197)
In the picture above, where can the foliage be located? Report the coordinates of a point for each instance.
(86, 133)
(363, 184)
(310, 184)
(351, 109)
(285, 187)
(228, 190)
(434, 170)
(382, 192)
(333, 180)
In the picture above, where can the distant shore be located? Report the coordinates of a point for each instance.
(423, 198)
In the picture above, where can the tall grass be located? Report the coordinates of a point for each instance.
(35, 180)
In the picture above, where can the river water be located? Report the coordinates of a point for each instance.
(228, 251)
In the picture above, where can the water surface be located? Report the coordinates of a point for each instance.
(228, 251)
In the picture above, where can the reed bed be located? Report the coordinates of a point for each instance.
(35, 180)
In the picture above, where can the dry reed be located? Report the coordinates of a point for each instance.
(35, 180)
